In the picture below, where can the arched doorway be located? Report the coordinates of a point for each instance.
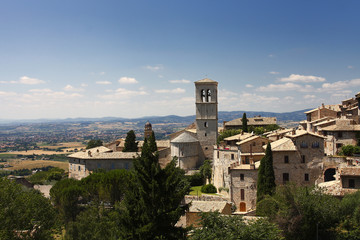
(329, 174)
(242, 207)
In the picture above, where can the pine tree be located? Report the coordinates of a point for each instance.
(130, 142)
(152, 203)
(266, 177)
(244, 123)
(152, 142)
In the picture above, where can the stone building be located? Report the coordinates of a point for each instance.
(81, 164)
(251, 122)
(185, 148)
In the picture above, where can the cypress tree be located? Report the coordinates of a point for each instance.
(244, 123)
(130, 142)
(152, 203)
(152, 142)
(266, 177)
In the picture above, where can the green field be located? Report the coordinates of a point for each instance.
(196, 191)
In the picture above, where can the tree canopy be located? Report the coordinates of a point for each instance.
(244, 123)
(152, 203)
(266, 177)
(130, 142)
(152, 142)
(94, 143)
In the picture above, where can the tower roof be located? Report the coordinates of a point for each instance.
(147, 124)
(206, 80)
(184, 138)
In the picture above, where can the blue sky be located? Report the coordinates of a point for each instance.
(61, 59)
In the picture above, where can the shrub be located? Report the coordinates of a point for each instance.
(208, 188)
(195, 180)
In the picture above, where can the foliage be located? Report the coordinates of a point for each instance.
(94, 143)
(262, 130)
(208, 188)
(266, 177)
(42, 177)
(302, 212)
(244, 121)
(130, 142)
(215, 226)
(206, 170)
(226, 134)
(152, 142)
(152, 203)
(350, 150)
(223, 189)
(24, 214)
(196, 179)
(95, 223)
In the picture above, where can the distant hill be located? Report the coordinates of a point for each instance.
(295, 116)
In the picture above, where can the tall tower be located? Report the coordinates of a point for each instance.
(206, 116)
(147, 130)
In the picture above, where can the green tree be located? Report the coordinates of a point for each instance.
(152, 142)
(24, 214)
(94, 143)
(226, 134)
(130, 142)
(244, 123)
(266, 177)
(216, 226)
(152, 203)
(206, 170)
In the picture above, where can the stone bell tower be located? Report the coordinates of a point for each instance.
(206, 116)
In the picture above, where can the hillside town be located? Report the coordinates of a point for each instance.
(306, 155)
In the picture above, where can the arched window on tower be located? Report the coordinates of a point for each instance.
(203, 95)
(208, 95)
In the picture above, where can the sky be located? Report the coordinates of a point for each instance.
(135, 58)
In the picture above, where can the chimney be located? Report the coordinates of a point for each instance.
(89, 153)
(322, 105)
(293, 131)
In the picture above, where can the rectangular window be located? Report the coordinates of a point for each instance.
(306, 177)
(286, 159)
(285, 177)
(218, 154)
(232, 156)
(79, 168)
(303, 144)
(315, 145)
(242, 194)
(247, 160)
(351, 183)
(254, 144)
(241, 177)
(340, 134)
(302, 158)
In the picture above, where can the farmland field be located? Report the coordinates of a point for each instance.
(29, 164)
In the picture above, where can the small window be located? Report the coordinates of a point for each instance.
(285, 178)
(302, 158)
(208, 95)
(315, 145)
(126, 166)
(340, 134)
(241, 177)
(303, 144)
(205, 134)
(247, 160)
(242, 194)
(203, 95)
(232, 156)
(254, 144)
(306, 177)
(351, 183)
(206, 124)
(206, 148)
(79, 168)
(286, 159)
(218, 154)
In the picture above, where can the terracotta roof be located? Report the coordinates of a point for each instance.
(248, 139)
(284, 144)
(206, 80)
(299, 133)
(355, 171)
(279, 132)
(252, 121)
(207, 206)
(342, 128)
(335, 107)
(185, 137)
(104, 155)
(239, 137)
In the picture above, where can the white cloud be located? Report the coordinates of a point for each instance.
(84, 85)
(7, 94)
(309, 96)
(30, 81)
(122, 93)
(273, 72)
(45, 90)
(154, 68)
(249, 86)
(70, 88)
(279, 87)
(176, 90)
(340, 85)
(127, 80)
(179, 81)
(302, 78)
(103, 82)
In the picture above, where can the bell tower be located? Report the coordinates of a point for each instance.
(206, 116)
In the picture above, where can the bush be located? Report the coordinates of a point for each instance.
(208, 188)
(195, 180)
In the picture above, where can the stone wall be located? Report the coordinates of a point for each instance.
(247, 186)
